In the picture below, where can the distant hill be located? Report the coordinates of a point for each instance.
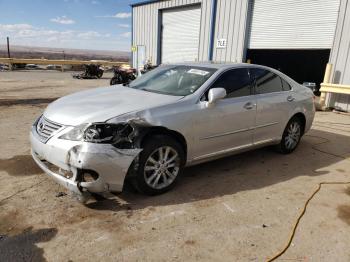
(64, 53)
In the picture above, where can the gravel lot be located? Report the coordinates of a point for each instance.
(240, 208)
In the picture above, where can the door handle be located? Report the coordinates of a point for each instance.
(249, 105)
(290, 98)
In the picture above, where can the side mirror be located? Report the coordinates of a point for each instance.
(215, 94)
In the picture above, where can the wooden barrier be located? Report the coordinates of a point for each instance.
(328, 87)
(11, 61)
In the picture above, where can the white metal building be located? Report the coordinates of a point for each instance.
(296, 37)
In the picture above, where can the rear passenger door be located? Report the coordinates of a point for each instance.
(274, 103)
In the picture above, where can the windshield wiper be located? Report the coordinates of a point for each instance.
(151, 90)
(158, 92)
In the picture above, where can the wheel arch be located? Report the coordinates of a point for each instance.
(302, 118)
(160, 130)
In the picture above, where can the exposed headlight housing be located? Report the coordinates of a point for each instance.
(75, 134)
(106, 133)
(99, 133)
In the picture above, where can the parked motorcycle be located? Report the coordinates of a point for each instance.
(123, 75)
(91, 71)
(148, 67)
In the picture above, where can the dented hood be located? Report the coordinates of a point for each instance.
(101, 104)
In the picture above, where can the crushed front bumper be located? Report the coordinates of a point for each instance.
(75, 157)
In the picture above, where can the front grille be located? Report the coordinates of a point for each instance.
(46, 128)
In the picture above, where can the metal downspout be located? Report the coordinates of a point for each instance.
(212, 29)
(132, 36)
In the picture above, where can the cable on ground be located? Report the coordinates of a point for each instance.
(301, 215)
(325, 140)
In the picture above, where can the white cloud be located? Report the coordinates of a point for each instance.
(63, 20)
(14, 27)
(95, 2)
(126, 34)
(27, 32)
(91, 34)
(124, 25)
(28, 35)
(122, 15)
(117, 15)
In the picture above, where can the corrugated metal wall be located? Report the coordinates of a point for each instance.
(340, 57)
(231, 20)
(340, 54)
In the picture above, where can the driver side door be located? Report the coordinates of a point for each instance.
(228, 124)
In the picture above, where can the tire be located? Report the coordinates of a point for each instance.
(153, 175)
(132, 78)
(116, 80)
(291, 136)
(99, 74)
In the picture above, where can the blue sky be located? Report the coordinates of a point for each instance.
(82, 24)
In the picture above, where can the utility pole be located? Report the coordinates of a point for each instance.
(8, 47)
(8, 52)
(64, 58)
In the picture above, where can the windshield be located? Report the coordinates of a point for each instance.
(173, 80)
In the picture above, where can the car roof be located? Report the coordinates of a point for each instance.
(217, 65)
(222, 66)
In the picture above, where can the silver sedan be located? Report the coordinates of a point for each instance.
(172, 117)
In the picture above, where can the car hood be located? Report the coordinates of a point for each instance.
(101, 104)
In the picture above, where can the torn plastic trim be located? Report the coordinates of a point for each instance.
(67, 183)
(110, 163)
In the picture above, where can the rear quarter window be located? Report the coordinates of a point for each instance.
(285, 85)
(266, 81)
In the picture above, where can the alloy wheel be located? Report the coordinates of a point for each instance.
(293, 135)
(161, 167)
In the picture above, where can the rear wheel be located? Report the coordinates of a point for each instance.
(160, 164)
(291, 136)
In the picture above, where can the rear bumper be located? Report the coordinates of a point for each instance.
(309, 115)
(76, 157)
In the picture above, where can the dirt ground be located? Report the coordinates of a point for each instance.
(240, 208)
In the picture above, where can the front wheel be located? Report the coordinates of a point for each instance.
(159, 166)
(291, 136)
(116, 80)
(99, 74)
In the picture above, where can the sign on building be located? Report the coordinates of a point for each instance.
(221, 43)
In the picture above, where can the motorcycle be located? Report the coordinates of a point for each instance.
(123, 75)
(91, 71)
(148, 67)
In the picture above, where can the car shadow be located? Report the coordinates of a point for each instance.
(248, 171)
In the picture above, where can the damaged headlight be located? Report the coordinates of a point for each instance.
(107, 133)
(100, 133)
(75, 134)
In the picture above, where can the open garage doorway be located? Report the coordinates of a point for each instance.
(301, 65)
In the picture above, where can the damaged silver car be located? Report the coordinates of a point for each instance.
(172, 117)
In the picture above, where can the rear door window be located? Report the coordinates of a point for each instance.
(266, 81)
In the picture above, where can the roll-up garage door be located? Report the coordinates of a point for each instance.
(292, 24)
(180, 34)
